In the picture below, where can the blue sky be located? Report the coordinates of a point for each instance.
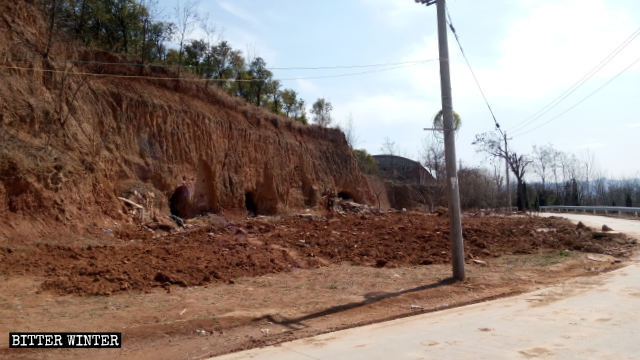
(525, 54)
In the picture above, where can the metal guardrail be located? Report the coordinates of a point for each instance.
(595, 209)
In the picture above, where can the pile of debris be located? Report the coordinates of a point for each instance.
(347, 206)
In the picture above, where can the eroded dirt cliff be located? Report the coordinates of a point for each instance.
(71, 143)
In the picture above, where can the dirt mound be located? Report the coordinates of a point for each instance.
(259, 246)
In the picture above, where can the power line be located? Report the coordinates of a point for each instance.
(202, 79)
(583, 99)
(555, 102)
(91, 62)
(417, 62)
(495, 121)
(475, 78)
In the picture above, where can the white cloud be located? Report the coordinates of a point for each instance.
(634, 125)
(591, 145)
(397, 116)
(397, 13)
(250, 44)
(238, 12)
(304, 86)
(389, 110)
(557, 43)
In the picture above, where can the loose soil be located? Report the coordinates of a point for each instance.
(218, 288)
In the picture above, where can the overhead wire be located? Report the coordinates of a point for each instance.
(201, 79)
(573, 88)
(581, 100)
(203, 67)
(473, 74)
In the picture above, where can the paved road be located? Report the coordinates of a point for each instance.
(630, 227)
(585, 318)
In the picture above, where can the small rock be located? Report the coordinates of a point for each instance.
(202, 332)
(599, 258)
(580, 225)
(606, 228)
(479, 262)
(177, 220)
(416, 307)
(264, 331)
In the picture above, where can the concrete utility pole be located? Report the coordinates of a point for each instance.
(455, 233)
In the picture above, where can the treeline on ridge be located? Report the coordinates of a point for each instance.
(133, 28)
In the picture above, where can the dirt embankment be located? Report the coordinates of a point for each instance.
(209, 254)
(69, 144)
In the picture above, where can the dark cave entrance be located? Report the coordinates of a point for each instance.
(179, 202)
(345, 195)
(250, 203)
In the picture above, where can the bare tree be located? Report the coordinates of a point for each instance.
(518, 165)
(54, 8)
(588, 162)
(349, 132)
(212, 35)
(152, 12)
(542, 162)
(600, 188)
(491, 144)
(497, 178)
(556, 158)
(186, 18)
(432, 156)
(389, 147)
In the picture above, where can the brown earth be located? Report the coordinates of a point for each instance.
(74, 257)
(70, 144)
(208, 253)
(266, 280)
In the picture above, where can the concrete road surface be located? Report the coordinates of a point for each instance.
(584, 318)
(630, 227)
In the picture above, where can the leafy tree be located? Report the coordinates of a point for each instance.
(260, 76)
(301, 116)
(222, 56)
(272, 90)
(321, 111)
(238, 67)
(194, 55)
(131, 27)
(172, 57)
(289, 102)
(366, 162)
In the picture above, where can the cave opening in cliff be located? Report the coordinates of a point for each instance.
(179, 202)
(345, 195)
(250, 203)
